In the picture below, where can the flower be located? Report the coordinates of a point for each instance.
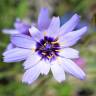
(48, 49)
(20, 27)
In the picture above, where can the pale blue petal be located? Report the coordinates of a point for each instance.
(10, 46)
(17, 23)
(16, 54)
(44, 67)
(71, 38)
(31, 61)
(53, 27)
(70, 67)
(10, 31)
(70, 25)
(69, 53)
(35, 33)
(21, 26)
(23, 41)
(31, 74)
(57, 71)
(43, 19)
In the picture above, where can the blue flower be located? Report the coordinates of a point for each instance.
(48, 48)
(20, 27)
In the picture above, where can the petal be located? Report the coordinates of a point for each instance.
(71, 68)
(35, 33)
(31, 74)
(58, 72)
(66, 17)
(44, 67)
(71, 38)
(32, 60)
(16, 54)
(10, 46)
(10, 31)
(54, 27)
(43, 19)
(17, 23)
(70, 25)
(33, 30)
(69, 53)
(23, 41)
(21, 26)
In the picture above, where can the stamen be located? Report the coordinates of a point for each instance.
(33, 49)
(54, 42)
(44, 53)
(57, 50)
(62, 43)
(44, 44)
(49, 57)
(45, 33)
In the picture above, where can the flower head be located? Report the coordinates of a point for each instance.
(48, 49)
(20, 27)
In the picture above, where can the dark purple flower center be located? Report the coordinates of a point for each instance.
(48, 48)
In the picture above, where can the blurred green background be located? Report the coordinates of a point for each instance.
(11, 74)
